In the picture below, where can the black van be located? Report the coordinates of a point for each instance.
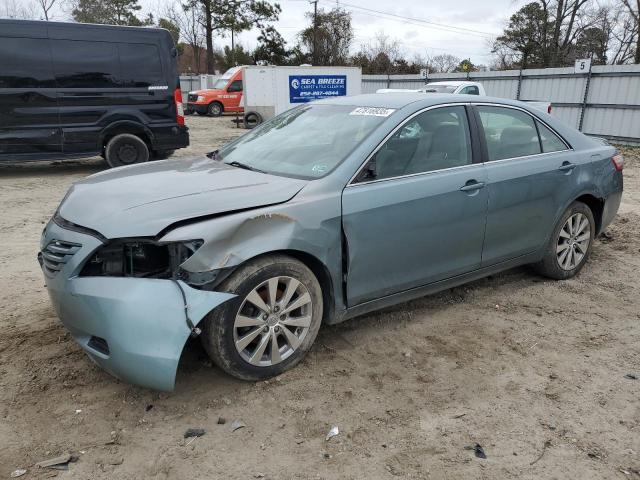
(70, 90)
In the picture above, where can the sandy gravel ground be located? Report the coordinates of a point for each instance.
(532, 370)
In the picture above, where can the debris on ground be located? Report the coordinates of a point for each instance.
(477, 450)
(18, 473)
(460, 415)
(194, 432)
(59, 463)
(237, 425)
(222, 420)
(332, 433)
(115, 437)
(148, 407)
(631, 376)
(545, 445)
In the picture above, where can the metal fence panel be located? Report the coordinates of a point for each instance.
(604, 102)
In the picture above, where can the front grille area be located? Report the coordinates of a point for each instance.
(56, 254)
(192, 98)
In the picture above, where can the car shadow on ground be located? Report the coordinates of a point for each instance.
(57, 167)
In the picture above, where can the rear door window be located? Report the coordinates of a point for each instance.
(509, 133)
(80, 64)
(549, 140)
(25, 63)
(140, 65)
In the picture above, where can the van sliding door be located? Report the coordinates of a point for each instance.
(29, 123)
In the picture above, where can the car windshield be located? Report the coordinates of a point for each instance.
(304, 142)
(439, 88)
(224, 79)
(220, 83)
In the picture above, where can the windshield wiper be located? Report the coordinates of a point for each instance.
(246, 167)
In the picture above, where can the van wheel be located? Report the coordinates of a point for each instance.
(570, 244)
(271, 323)
(215, 109)
(126, 149)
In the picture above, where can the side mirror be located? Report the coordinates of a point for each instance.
(213, 155)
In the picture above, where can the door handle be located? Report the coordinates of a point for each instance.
(566, 166)
(471, 185)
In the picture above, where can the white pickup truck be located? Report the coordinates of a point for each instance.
(459, 87)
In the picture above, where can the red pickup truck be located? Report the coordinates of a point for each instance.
(223, 97)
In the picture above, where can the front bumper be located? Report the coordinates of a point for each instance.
(201, 108)
(134, 328)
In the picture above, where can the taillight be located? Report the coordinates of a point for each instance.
(549, 109)
(177, 96)
(618, 162)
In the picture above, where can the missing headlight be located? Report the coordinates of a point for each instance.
(140, 258)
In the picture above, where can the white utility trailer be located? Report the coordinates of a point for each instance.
(271, 90)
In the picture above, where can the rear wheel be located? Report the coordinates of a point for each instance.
(271, 324)
(215, 109)
(570, 244)
(126, 149)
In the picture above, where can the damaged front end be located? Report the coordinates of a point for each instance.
(147, 258)
(127, 302)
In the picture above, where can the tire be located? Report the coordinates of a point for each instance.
(222, 328)
(162, 154)
(215, 109)
(126, 149)
(568, 250)
(252, 120)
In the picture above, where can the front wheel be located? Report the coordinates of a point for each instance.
(271, 324)
(215, 109)
(570, 244)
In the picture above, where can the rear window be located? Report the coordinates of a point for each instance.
(81, 64)
(140, 65)
(439, 88)
(25, 63)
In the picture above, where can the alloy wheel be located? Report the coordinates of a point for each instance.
(573, 241)
(273, 320)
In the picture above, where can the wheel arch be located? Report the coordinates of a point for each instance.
(126, 126)
(219, 103)
(317, 267)
(596, 205)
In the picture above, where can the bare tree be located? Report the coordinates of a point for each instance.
(443, 63)
(634, 12)
(46, 6)
(189, 21)
(16, 9)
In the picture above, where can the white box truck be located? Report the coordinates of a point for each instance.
(271, 90)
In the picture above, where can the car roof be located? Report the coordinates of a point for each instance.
(453, 83)
(417, 99)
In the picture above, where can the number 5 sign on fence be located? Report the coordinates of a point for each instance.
(582, 65)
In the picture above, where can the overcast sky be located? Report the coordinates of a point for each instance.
(476, 22)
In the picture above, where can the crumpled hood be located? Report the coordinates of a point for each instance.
(142, 200)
